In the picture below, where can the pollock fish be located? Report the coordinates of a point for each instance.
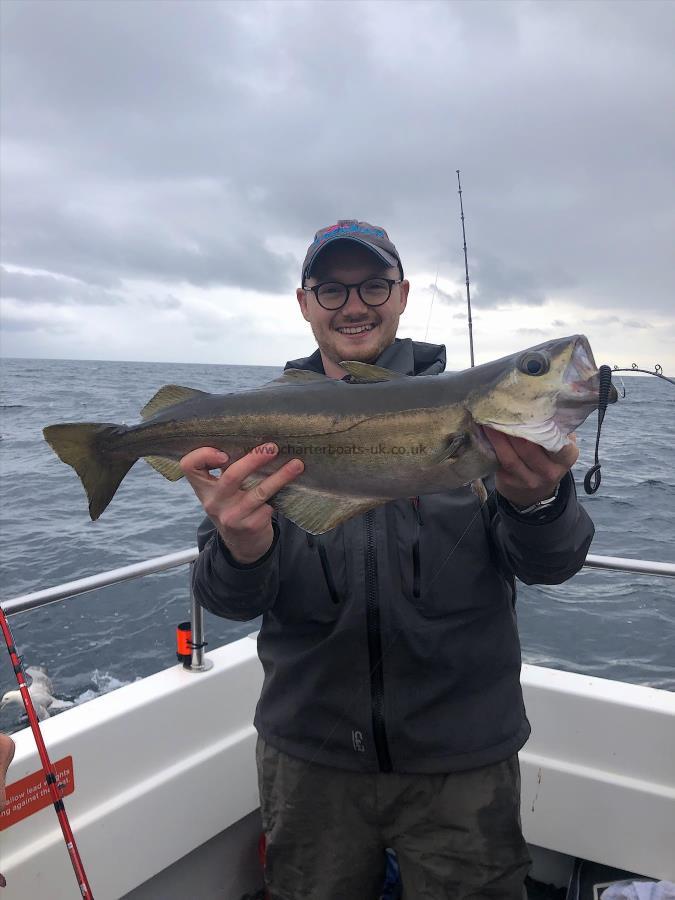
(375, 437)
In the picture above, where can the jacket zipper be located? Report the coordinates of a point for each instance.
(375, 647)
(416, 549)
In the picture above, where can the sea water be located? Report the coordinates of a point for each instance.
(610, 624)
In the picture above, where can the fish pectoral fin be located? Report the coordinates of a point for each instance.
(363, 373)
(318, 511)
(297, 376)
(167, 396)
(169, 468)
(455, 444)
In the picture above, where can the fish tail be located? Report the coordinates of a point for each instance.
(80, 445)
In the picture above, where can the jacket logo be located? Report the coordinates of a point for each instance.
(357, 741)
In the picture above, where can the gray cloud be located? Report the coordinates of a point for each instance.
(202, 144)
(497, 282)
(42, 288)
(450, 298)
(168, 302)
(18, 320)
(601, 320)
(633, 323)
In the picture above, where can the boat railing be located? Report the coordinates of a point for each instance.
(199, 663)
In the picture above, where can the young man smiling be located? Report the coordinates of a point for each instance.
(391, 712)
(351, 328)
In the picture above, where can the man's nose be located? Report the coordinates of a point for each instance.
(354, 302)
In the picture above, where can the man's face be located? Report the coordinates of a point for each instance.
(355, 331)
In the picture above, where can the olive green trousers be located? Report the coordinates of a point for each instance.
(457, 836)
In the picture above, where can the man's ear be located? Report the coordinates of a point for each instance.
(405, 288)
(302, 300)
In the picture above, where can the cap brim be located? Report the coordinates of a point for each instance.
(388, 258)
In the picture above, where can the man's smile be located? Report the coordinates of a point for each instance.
(364, 328)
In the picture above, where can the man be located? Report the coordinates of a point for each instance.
(391, 712)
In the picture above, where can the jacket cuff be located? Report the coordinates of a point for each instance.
(246, 576)
(565, 501)
(258, 562)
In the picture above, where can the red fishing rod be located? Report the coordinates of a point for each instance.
(50, 775)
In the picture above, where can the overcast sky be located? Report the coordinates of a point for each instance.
(166, 164)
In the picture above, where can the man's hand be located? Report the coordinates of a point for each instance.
(527, 472)
(243, 517)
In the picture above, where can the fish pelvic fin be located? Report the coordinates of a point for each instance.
(169, 468)
(79, 445)
(167, 396)
(479, 489)
(318, 511)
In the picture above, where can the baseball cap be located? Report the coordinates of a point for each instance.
(373, 237)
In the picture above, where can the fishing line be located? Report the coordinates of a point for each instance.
(479, 512)
(47, 767)
(431, 306)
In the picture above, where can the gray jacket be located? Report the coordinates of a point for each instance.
(390, 643)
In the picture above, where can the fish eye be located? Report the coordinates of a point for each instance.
(534, 363)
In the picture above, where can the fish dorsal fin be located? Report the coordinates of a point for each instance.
(169, 468)
(363, 373)
(168, 396)
(298, 376)
(318, 511)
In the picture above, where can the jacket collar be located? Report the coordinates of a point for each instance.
(404, 356)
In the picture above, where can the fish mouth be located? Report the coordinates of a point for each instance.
(581, 378)
(581, 387)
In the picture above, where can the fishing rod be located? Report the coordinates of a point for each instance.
(658, 372)
(477, 486)
(466, 270)
(47, 767)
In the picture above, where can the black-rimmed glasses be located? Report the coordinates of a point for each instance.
(333, 295)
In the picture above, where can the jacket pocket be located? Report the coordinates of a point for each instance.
(313, 577)
(444, 550)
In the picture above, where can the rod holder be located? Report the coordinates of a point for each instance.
(199, 662)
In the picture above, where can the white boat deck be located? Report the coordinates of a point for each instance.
(165, 765)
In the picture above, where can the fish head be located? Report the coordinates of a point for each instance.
(541, 394)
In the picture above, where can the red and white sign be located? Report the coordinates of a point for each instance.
(30, 794)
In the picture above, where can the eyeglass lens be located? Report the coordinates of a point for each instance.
(373, 292)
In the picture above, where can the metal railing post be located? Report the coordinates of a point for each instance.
(198, 663)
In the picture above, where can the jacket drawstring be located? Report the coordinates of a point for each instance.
(325, 566)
